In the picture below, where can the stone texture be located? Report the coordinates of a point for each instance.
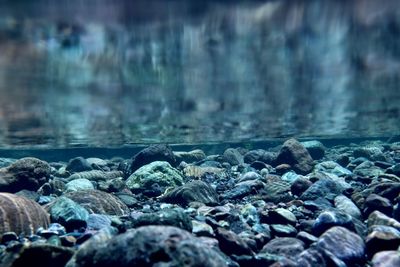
(343, 244)
(78, 185)
(149, 246)
(284, 246)
(386, 259)
(190, 156)
(153, 153)
(158, 174)
(328, 219)
(193, 191)
(315, 148)
(381, 238)
(296, 155)
(21, 215)
(25, 173)
(170, 217)
(231, 244)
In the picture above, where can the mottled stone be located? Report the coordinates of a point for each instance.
(158, 174)
(63, 210)
(149, 246)
(328, 219)
(284, 246)
(153, 153)
(190, 156)
(296, 155)
(202, 229)
(375, 202)
(344, 204)
(25, 173)
(260, 155)
(315, 148)
(378, 218)
(386, 259)
(381, 238)
(78, 164)
(281, 230)
(171, 217)
(343, 244)
(231, 244)
(193, 191)
(233, 156)
(78, 185)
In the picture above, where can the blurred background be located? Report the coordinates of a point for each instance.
(108, 73)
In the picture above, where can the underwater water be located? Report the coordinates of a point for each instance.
(111, 73)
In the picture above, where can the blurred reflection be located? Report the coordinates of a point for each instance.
(115, 72)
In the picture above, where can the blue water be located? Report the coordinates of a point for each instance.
(113, 73)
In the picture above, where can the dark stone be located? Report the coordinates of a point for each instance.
(153, 153)
(78, 164)
(25, 173)
(8, 236)
(148, 246)
(328, 219)
(171, 217)
(296, 155)
(311, 257)
(386, 259)
(197, 191)
(260, 155)
(315, 148)
(300, 185)
(307, 238)
(63, 210)
(243, 189)
(375, 202)
(343, 244)
(382, 238)
(322, 188)
(233, 156)
(45, 255)
(231, 244)
(281, 230)
(98, 221)
(284, 246)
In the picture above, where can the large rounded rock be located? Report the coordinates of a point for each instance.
(149, 246)
(21, 215)
(381, 238)
(26, 173)
(152, 153)
(296, 155)
(170, 217)
(315, 148)
(343, 244)
(193, 191)
(284, 246)
(96, 201)
(152, 179)
(328, 219)
(386, 259)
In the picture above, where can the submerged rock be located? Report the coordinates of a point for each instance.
(150, 246)
(153, 153)
(152, 179)
(21, 215)
(170, 217)
(25, 173)
(296, 155)
(197, 191)
(191, 156)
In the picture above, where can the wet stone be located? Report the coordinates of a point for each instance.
(328, 219)
(315, 148)
(281, 216)
(375, 202)
(151, 154)
(346, 205)
(382, 238)
(386, 259)
(78, 164)
(284, 246)
(343, 244)
(296, 155)
(378, 218)
(281, 230)
(79, 184)
(232, 244)
(233, 156)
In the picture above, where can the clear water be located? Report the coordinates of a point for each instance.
(110, 73)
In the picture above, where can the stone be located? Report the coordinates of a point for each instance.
(288, 247)
(346, 205)
(191, 156)
(328, 219)
(315, 148)
(149, 246)
(78, 164)
(153, 153)
(46, 255)
(158, 174)
(379, 218)
(296, 155)
(333, 168)
(322, 188)
(281, 216)
(233, 156)
(300, 185)
(243, 189)
(201, 173)
(386, 259)
(202, 229)
(98, 221)
(368, 169)
(311, 257)
(307, 238)
(194, 191)
(63, 210)
(375, 202)
(372, 153)
(96, 201)
(21, 215)
(249, 176)
(260, 155)
(281, 230)
(96, 175)
(382, 238)
(78, 185)
(25, 173)
(231, 244)
(343, 244)
(171, 217)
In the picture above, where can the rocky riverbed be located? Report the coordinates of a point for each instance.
(298, 204)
